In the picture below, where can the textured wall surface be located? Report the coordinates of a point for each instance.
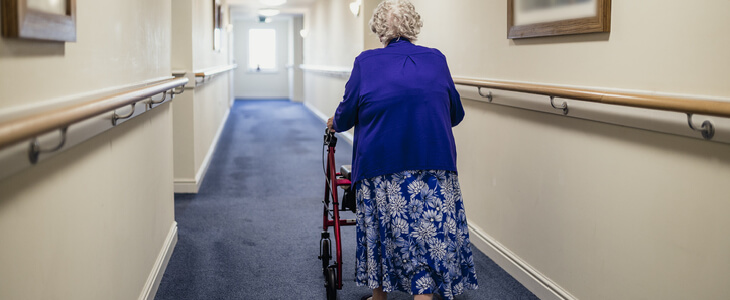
(200, 113)
(90, 222)
(604, 211)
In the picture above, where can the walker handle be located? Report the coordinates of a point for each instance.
(329, 138)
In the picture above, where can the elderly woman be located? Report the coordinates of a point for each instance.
(411, 226)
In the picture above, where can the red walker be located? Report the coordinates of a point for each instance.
(331, 218)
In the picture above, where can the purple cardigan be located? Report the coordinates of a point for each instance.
(402, 101)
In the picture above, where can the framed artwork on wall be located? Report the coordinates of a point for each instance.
(51, 20)
(217, 25)
(537, 18)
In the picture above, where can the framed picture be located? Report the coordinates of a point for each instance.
(52, 20)
(536, 18)
(217, 25)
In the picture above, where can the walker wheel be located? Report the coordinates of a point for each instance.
(331, 283)
(325, 254)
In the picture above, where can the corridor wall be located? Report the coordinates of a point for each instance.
(334, 39)
(96, 221)
(201, 112)
(296, 58)
(577, 209)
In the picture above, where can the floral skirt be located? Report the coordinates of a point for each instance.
(412, 234)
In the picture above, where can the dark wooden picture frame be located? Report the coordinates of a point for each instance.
(20, 21)
(217, 25)
(601, 22)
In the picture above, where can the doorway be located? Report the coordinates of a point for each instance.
(266, 55)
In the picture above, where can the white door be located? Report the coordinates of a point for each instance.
(261, 52)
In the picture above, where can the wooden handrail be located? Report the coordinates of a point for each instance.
(215, 71)
(14, 131)
(689, 106)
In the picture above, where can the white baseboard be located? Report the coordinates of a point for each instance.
(186, 186)
(345, 135)
(191, 186)
(158, 270)
(262, 97)
(533, 280)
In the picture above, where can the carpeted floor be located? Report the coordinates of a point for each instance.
(252, 232)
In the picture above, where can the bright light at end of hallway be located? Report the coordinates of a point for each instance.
(48, 6)
(262, 49)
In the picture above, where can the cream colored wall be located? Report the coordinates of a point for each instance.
(212, 98)
(202, 110)
(90, 222)
(332, 26)
(603, 211)
(370, 40)
(183, 117)
(323, 92)
(60, 66)
(335, 39)
(203, 54)
(296, 56)
(182, 50)
(654, 45)
(183, 112)
(211, 111)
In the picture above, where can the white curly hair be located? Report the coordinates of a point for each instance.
(396, 19)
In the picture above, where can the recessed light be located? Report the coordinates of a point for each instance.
(272, 2)
(268, 12)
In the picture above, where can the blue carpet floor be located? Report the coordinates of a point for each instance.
(252, 231)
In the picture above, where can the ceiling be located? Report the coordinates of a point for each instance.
(248, 8)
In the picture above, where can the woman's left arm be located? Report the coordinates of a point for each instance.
(457, 110)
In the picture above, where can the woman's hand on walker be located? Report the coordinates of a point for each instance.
(329, 124)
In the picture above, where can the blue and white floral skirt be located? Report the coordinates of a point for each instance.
(412, 234)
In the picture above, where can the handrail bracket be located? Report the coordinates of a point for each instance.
(488, 96)
(707, 129)
(151, 103)
(563, 107)
(177, 91)
(116, 117)
(35, 150)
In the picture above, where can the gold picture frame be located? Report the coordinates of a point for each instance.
(535, 18)
(39, 19)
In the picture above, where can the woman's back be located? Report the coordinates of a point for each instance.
(406, 105)
(412, 233)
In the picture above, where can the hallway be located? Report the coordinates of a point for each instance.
(252, 231)
(172, 149)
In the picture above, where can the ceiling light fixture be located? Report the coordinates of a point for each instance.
(268, 12)
(272, 2)
(355, 7)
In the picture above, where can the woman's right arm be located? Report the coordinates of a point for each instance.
(346, 115)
